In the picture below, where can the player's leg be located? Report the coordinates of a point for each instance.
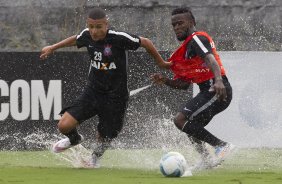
(223, 150)
(80, 110)
(196, 130)
(199, 111)
(199, 146)
(67, 126)
(206, 161)
(111, 119)
(98, 151)
(102, 145)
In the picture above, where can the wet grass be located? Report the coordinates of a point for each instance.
(245, 166)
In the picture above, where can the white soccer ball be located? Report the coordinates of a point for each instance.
(173, 164)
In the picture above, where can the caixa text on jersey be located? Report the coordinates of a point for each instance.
(24, 99)
(103, 66)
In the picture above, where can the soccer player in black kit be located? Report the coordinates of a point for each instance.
(197, 61)
(106, 94)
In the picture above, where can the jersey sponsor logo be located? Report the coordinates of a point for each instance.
(103, 66)
(202, 70)
(107, 51)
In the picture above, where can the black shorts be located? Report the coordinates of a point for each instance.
(110, 111)
(203, 107)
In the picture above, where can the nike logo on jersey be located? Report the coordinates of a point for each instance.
(185, 109)
(103, 66)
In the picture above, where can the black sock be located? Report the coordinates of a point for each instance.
(73, 136)
(202, 134)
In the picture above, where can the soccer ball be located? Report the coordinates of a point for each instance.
(173, 164)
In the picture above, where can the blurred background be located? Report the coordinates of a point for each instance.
(249, 25)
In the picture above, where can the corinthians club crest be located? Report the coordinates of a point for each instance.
(107, 51)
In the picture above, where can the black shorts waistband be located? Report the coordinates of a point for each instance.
(207, 84)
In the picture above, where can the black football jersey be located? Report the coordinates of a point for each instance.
(108, 60)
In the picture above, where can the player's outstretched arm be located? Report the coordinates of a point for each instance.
(176, 84)
(150, 48)
(48, 50)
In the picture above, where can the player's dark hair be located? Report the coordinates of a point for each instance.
(181, 10)
(97, 13)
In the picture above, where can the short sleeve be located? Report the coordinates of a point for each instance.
(82, 38)
(125, 40)
(201, 46)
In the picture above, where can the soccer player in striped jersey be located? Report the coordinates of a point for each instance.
(106, 94)
(196, 61)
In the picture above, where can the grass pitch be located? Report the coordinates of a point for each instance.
(137, 166)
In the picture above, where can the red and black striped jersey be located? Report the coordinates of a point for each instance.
(188, 62)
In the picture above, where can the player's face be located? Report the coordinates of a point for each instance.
(97, 28)
(181, 25)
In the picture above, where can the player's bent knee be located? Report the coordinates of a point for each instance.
(62, 127)
(179, 120)
(192, 128)
(66, 124)
(176, 122)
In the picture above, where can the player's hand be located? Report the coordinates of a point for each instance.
(166, 65)
(46, 51)
(220, 90)
(158, 78)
